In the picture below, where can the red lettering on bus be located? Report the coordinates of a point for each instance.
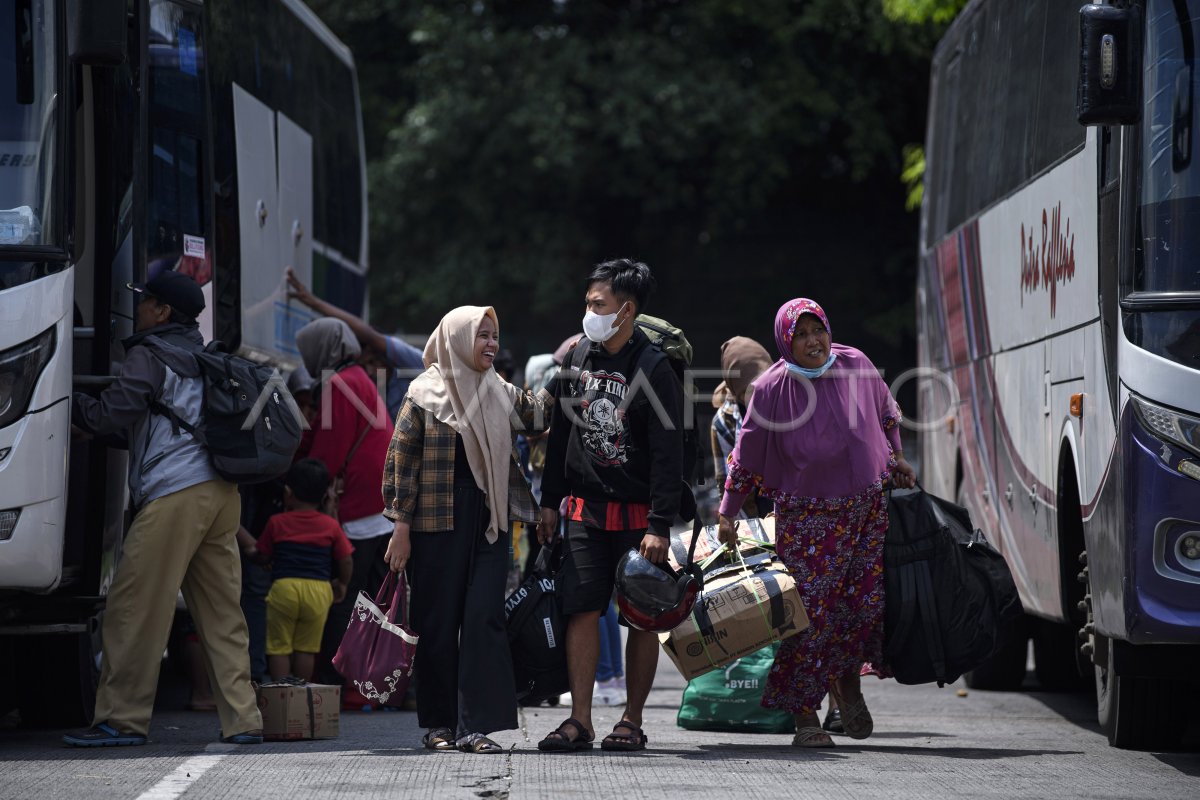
(1051, 264)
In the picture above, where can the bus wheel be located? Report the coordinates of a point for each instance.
(58, 676)
(1055, 646)
(1005, 670)
(1136, 712)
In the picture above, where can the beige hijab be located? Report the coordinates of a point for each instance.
(476, 404)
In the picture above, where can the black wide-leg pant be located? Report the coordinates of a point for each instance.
(463, 667)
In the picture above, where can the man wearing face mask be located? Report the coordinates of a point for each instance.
(615, 453)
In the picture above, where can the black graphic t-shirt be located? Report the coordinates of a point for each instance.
(605, 437)
(617, 435)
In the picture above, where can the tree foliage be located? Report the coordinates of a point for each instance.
(746, 149)
(920, 11)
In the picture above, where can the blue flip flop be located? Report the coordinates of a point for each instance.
(102, 735)
(247, 737)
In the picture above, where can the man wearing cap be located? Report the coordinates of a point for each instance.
(183, 532)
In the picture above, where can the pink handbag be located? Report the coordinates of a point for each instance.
(376, 654)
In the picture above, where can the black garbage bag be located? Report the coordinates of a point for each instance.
(537, 631)
(950, 597)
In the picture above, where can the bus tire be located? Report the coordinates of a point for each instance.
(58, 675)
(1005, 670)
(1055, 647)
(1139, 713)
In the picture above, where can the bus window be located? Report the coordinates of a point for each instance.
(28, 119)
(177, 210)
(1169, 258)
(1058, 131)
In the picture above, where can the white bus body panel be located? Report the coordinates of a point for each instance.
(1039, 266)
(33, 477)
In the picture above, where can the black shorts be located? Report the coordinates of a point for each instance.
(590, 566)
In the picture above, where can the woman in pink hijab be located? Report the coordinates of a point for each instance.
(820, 438)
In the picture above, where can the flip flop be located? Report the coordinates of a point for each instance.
(103, 735)
(625, 742)
(557, 742)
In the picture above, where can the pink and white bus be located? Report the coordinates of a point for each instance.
(1059, 319)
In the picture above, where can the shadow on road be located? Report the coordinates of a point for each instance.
(971, 753)
(1187, 763)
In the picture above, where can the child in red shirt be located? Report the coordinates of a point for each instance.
(301, 545)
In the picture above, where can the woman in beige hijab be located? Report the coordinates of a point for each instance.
(451, 485)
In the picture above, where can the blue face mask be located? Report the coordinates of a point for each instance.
(812, 373)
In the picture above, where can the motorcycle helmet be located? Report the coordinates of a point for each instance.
(651, 597)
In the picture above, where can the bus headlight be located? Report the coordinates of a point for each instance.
(20, 368)
(1174, 427)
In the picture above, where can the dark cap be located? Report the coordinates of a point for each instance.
(175, 289)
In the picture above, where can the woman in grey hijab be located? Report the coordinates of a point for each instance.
(350, 433)
(326, 344)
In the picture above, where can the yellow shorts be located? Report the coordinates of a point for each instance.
(296, 612)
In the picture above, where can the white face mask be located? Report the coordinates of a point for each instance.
(599, 327)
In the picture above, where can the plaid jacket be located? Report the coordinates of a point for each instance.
(418, 475)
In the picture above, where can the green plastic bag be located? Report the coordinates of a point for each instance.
(727, 699)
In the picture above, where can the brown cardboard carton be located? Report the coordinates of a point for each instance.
(740, 611)
(307, 711)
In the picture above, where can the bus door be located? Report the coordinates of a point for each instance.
(275, 210)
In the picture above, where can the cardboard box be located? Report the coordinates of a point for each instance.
(739, 611)
(749, 530)
(304, 711)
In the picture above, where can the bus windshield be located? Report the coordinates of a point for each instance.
(1169, 255)
(28, 92)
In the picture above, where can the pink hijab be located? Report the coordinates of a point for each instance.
(826, 438)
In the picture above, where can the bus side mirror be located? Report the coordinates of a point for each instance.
(1110, 66)
(96, 32)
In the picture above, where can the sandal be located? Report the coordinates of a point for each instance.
(625, 742)
(557, 740)
(833, 721)
(812, 738)
(857, 722)
(478, 743)
(438, 739)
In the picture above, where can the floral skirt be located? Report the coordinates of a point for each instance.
(834, 550)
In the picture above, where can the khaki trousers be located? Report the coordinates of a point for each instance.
(183, 540)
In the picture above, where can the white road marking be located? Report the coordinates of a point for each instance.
(187, 773)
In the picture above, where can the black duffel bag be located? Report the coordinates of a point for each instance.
(537, 631)
(950, 597)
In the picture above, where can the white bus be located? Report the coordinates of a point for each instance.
(223, 138)
(1060, 292)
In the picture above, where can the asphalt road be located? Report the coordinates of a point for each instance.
(928, 743)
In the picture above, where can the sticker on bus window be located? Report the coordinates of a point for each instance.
(187, 51)
(193, 246)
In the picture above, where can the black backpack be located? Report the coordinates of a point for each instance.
(250, 424)
(666, 342)
(537, 631)
(950, 597)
